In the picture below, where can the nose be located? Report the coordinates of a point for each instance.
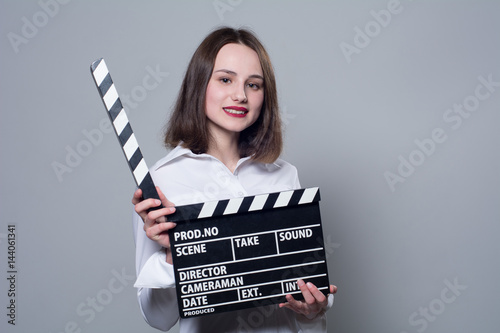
(239, 94)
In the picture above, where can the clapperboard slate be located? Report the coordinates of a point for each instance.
(246, 252)
(236, 253)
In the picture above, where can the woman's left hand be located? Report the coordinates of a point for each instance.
(314, 300)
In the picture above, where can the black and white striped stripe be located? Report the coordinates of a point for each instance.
(122, 127)
(246, 204)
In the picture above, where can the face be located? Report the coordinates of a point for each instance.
(235, 91)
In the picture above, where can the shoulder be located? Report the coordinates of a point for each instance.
(278, 166)
(277, 176)
(182, 175)
(287, 170)
(174, 154)
(282, 164)
(175, 166)
(179, 160)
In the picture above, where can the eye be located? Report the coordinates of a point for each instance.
(225, 80)
(254, 86)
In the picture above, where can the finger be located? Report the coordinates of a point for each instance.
(159, 228)
(164, 225)
(162, 240)
(317, 294)
(333, 289)
(154, 221)
(289, 298)
(137, 197)
(144, 206)
(294, 304)
(160, 215)
(157, 216)
(308, 297)
(288, 306)
(159, 233)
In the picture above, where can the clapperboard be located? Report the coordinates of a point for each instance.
(246, 252)
(236, 253)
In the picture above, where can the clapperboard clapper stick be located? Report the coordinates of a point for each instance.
(236, 253)
(123, 130)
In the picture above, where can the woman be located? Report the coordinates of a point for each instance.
(225, 132)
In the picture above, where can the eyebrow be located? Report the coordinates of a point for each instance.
(257, 76)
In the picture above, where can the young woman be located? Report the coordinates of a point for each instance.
(225, 132)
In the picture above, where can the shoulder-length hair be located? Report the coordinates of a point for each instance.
(188, 123)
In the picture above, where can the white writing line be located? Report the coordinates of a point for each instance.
(250, 299)
(246, 235)
(254, 272)
(247, 259)
(258, 285)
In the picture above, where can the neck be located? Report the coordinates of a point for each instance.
(225, 149)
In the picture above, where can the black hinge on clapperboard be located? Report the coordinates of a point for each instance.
(236, 253)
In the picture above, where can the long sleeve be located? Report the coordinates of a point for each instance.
(157, 307)
(317, 324)
(155, 281)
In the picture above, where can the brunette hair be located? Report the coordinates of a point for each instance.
(188, 123)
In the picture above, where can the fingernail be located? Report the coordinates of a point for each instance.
(300, 283)
(309, 284)
(157, 202)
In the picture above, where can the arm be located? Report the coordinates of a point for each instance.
(155, 279)
(155, 225)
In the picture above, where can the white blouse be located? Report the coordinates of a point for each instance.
(187, 178)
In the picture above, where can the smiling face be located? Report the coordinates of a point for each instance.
(235, 91)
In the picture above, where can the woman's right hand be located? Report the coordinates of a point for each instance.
(155, 221)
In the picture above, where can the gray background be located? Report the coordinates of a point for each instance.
(393, 252)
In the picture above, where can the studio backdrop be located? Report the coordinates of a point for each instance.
(390, 107)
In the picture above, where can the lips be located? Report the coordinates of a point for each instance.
(235, 111)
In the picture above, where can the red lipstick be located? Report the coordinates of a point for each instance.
(235, 111)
